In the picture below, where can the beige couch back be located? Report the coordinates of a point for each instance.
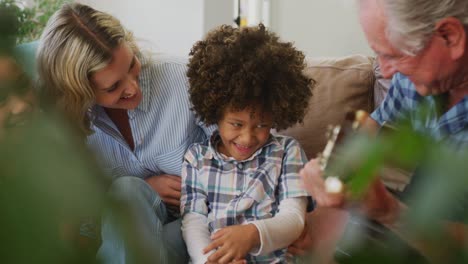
(342, 84)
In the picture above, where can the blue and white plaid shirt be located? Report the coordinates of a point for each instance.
(231, 192)
(402, 100)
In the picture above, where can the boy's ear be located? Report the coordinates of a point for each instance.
(453, 32)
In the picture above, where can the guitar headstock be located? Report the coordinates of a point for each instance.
(353, 121)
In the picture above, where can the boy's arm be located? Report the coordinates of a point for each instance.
(193, 208)
(197, 236)
(288, 223)
(282, 229)
(262, 236)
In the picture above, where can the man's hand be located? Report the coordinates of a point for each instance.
(377, 204)
(168, 187)
(233, 243)
(380, 205)
(314, 183)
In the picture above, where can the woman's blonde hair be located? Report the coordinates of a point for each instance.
(77, 41)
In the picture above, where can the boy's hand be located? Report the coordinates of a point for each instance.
(233, 243)
(242, 261)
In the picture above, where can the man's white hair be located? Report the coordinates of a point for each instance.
(411, 22)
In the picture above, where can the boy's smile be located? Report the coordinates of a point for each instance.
(243, 132)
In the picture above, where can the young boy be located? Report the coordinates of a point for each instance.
(242, 198)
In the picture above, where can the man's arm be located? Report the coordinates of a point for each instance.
(370, 126)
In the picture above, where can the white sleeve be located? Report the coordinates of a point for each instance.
(282, 229)
(197, 236)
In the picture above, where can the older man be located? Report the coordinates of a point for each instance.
(423, 45)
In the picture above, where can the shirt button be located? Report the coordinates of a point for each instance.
(240, 166)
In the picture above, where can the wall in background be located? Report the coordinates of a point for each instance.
(217, 12)
(167, 25)
(320, 28)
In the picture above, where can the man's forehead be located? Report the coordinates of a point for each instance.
(374, 24)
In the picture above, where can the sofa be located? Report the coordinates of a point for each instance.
(341, 84)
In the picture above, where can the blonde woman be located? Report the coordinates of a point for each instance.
(135, 113)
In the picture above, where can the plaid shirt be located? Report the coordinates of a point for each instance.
(231, 192)
(402, 100)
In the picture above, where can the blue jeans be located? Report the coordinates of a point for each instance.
(140, 232)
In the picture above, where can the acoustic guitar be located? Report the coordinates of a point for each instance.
(358, 229)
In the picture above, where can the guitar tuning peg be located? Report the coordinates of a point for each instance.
(329, 131)
(359, 119)
(320, 159)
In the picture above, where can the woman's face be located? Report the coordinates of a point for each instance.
(116, 86)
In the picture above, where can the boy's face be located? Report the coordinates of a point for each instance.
(17, 100)
(243, 132)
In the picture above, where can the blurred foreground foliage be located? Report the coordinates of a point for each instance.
(52, 192)
(439, 195)
(49, 182)
(32, 16)
(48, 185)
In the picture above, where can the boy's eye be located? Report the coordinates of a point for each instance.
(236, 124)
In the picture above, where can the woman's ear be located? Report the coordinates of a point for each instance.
(454, 34)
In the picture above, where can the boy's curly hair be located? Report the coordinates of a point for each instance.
(239, 68)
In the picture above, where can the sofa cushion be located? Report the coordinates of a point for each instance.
(342, 84)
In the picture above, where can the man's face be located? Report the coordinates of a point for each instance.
(17, 99)
(428, 70)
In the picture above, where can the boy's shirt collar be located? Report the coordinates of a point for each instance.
(215, 139)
